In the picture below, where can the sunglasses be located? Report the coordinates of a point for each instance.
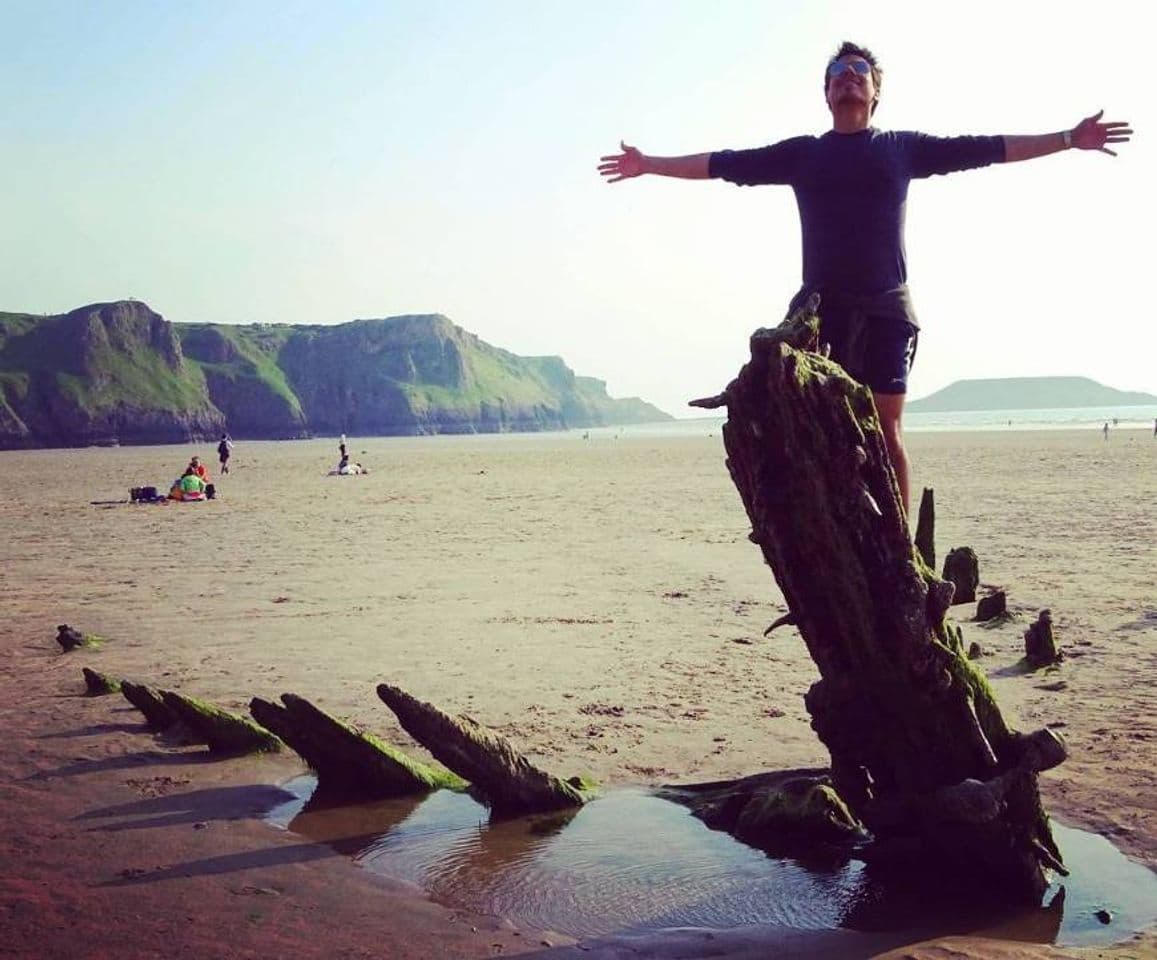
(840, 67)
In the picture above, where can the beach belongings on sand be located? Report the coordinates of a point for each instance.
(348, 762)
(925, 538)
(222, 731)
(1040, 646)
(507, 780)
(99, 684)
(962, 569)
(992, 606)
(68, 638)
(911, 725)
(784, 813)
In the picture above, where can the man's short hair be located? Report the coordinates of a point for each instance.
(849, 49)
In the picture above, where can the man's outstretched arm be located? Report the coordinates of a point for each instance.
(632, 163)
(1090, 134)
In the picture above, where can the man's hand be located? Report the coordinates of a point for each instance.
(622, 166)
(1092, 134)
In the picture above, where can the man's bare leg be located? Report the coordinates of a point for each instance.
(890, 407)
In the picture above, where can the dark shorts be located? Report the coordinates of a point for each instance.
(873, 337)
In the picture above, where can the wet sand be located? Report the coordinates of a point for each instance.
(596, 601)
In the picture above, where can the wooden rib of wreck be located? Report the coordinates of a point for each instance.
(99, 684)
(925, 539)
(784, 813)
(157, 714)
(223, 732)
(348, 762)
(1040, 646)
(962, 570)
(505, 778)
(920, 752)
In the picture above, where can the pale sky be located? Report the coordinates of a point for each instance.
(310, 162)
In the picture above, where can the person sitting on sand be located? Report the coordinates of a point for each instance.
(188, 487)
(197, 467)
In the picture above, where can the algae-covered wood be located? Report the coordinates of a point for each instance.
(919, 749)
(223, 732)
(510, 783)
(348, 761)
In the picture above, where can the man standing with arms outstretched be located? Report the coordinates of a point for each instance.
(851, 185)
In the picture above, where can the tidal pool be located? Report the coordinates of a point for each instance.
(631, 861)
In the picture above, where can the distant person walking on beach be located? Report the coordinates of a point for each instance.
(851, 186)
(224, 452)
(1105, 429)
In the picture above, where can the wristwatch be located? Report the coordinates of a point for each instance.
(1067, 137)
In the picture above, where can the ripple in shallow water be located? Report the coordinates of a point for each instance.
(632, 861)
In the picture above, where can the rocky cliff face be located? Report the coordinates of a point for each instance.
(120, 372)
(100, 374)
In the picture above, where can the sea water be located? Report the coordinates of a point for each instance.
(1059, 418)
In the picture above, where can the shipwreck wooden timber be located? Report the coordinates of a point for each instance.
(919, 750)
(925, 538)
(98, 684)
(793, 813)
(1040, 646)
(223, 732)
(506, 779)
(962, 569)
(348, 762)
(157, 714)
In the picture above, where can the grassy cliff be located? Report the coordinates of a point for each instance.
(120, 372)
(101, 373)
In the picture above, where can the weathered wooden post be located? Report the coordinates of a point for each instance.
(919, 750)
(926, 528)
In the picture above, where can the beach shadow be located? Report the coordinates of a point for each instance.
(94, 729)
(196, 806)
(1147, 621)
(1022, 668)
(230, 863)
(129, 761)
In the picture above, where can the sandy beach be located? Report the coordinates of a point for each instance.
(597, 601)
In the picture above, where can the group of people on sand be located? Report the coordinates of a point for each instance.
(194, 483)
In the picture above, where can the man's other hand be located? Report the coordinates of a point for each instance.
(621, 166)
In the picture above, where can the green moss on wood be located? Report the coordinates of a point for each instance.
(223, 732)
(348, 760)
(99, 684)
(158, 715)
(508, 780)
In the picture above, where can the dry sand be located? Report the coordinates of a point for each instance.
(595, 600)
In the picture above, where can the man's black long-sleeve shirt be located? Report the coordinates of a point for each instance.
(852, 189)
